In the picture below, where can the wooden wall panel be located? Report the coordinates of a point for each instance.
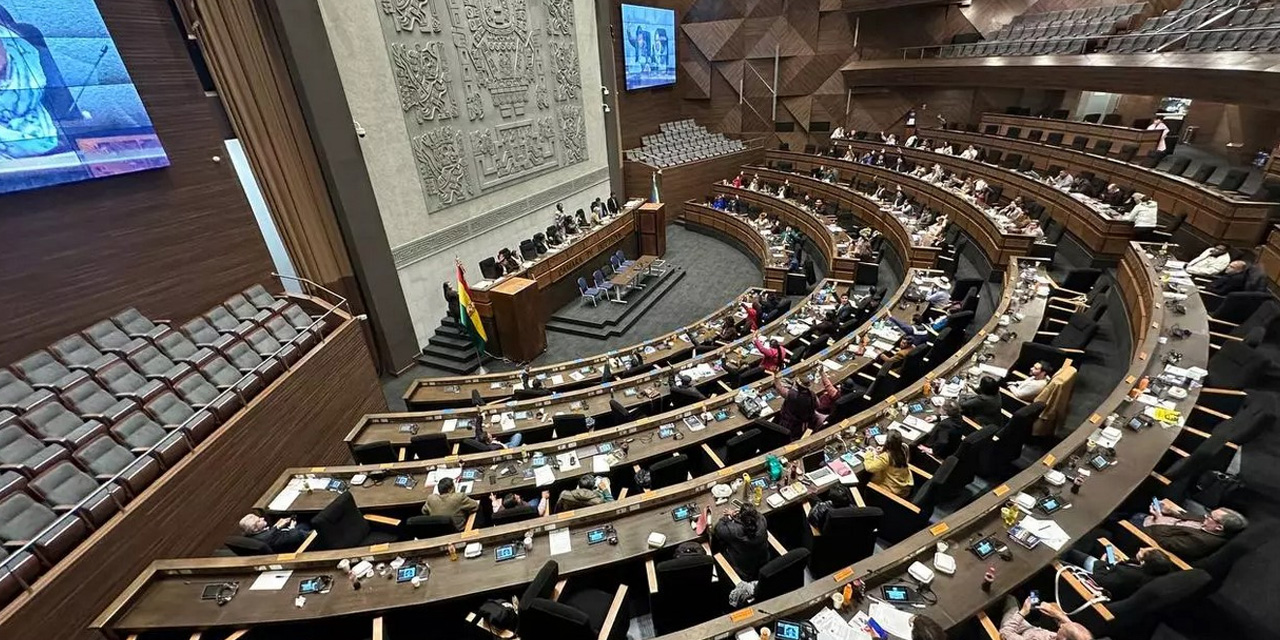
(172, 242)
(299, 421)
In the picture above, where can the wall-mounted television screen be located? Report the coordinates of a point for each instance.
(649, 46)
(68, 110)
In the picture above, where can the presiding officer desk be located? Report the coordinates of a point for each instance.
(771, 258)
(166, 596)
(997, 244)
(425, 394)
(536, 416)
(1218, 215)
(1105, 235)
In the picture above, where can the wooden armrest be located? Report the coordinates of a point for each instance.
(471, 522)
(777, 546)
(612, 617)
(857, 497)
(893, 497)
(988, 626)
(1161, 479)
(1056, 321)
(404, 451)
(724, 386)
(1148, 541)
(391, 522)
(920, 472)
(1011, 396)
(870, 378)
(377, 629)
(1078, 352)
(1217, 414)
(1083, 591)
(195, 635)
(652, 575)
(1019, 374)
(1224, 336)
(715, 459)
(311, 537)
(1120, 555)
(621, 494)
(969, 421)
(558, 589)
(807, 508)
(727, 569)
(454, 451)
(1221, 391)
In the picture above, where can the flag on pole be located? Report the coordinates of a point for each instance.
(467, 314)
(655, 195)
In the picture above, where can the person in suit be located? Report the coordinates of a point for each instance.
(743, 537)
(893, 359)
(1234, 278)
(446, 501)
(1187, 537)
(945, 437)
(285, 536)
(983, 405)
(845, 310)
(612, 204)
(1124, 578)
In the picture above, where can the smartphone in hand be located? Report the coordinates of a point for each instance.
(1155, 507)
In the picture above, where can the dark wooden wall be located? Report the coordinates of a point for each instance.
(172, 242)
(300, 420)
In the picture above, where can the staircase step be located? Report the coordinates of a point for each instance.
(451, 332)
(449, 353)
(619, 325)
(450, 342)
(452, 366)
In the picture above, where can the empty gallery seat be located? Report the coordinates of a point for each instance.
(140, 433)
(22, 519)
(22, 568)
(124, 382)
(198, 392)
(179, 348)
(105, 458)
(225, 375)
(241, 308)
(301, 319)
(64, 486)
(52, 422)
(23, 453)
(77, 353)
(155, 365)
(244, 358)
(267, 346)
(205, 335)
(286, 333)
(172, 413)
(91, 401)
(134, 324)
(44, 372)
(108, 337)
(258, 296)
(17, 395)
(222, 320)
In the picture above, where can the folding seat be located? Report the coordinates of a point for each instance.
(76, 352)
(105, 458)
(198, 392)
(22, 452)
(64, 485)
(124, 382)
(267, 346)
(136, 325)
(205, 335)
(1227, 41)
(156, 366)
(22, 519)
(223, 320)
(107, 337)
(244, 358)
(241, 308)
(42, 371)
(52, 422)
(225, 375)
(258, 296)
(1054, 138)
(18, 396)
(284, 332)
(140, 433)
(170, 412)
(91, 401)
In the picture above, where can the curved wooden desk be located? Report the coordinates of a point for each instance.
(1146, 140)
(1269, 257)
(425, 394)
(167, 594)
(998, 245)
(1106, 237)
(740, 231)
(1218, 215)
(826, 239)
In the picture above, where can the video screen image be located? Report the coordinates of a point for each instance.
(649, 46)
(68, 110)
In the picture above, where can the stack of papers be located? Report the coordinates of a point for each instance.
(896, 623)
(543, 476)
(449, 425)
(1048, 531)
(831, 626)
(283, 500)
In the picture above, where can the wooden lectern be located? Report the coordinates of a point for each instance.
(651, 227)
(519, 318)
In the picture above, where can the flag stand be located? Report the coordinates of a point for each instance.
(479, 359)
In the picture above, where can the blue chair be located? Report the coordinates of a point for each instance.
(591, 293)
(603, 285)
(622, 259)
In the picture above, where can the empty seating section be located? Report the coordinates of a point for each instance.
(90, 422)
(1196, 26)
(680, 142)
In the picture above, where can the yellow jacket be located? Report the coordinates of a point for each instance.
(895, 479)
(1056, 397)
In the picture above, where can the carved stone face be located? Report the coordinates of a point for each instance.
(496, 14)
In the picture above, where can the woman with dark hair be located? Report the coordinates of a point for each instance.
(826, 397)
(836, 497)
(507, 259)
(925, 628)
(889, 468)
(983, 406)
(773, 356)
(743, 537)
(945, 437)
(799, 407)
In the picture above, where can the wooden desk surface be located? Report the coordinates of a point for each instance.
(1118, 135)
(594, 401)
(455, 391)
(1104, 236)
(739, 229)
(167, 595)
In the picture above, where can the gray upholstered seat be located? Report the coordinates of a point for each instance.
(124, 382)
(76, 352)
(44, 372)
(108, 337)
(105, 458)
(52, 422)
(140, 433)
(267, 346)
(19, 396)
(155, 365)
(224, 376)
(205, 335)
(222, 319)
(136, 325)
(240, 307)
(198, 392)
(284, 332)
(90, 400)
(168, 410)
(24, 453)
(179, 348)
(246, 359)
(22, 518)
(64, 485)
(261, 298)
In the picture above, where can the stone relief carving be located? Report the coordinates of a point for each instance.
(422, 76)
(564, 62)
(559, 17)
(413, 15)
(512, 149)
(574, 131)
(494, 40)
(441, 163)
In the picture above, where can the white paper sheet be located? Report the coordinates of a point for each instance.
(997, 372)
(283, 500)
(270, 580)
(831, 626)
(896, 623)
(449, 425)
(600, 464)
(557, 379)
(317, 484)
(832, 365)
(543, 476)
(561, 542)
(569, 461)
(1048, 531)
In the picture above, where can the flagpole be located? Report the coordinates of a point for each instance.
(479, 359)
(461, 311)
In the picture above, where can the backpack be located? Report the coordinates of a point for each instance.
(1214, 489)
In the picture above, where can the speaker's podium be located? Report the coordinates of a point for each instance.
(519, 318)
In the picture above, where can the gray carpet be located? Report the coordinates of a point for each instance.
(716, 272)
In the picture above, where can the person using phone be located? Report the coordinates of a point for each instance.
(282, 537)
(1186, 535)
(1123, 579)
(1014, 625)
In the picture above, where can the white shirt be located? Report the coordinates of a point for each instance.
(1064, 182)
(1143, 214)
(1208, 265)
(1028, 389)
(838, 133)
(911, 141)
(1164, 131)
(969, 154)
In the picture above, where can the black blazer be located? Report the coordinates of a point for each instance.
(1185, 542)
(281, 540)
(612, 204)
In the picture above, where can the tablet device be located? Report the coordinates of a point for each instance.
(874, 431)
(983, 548)
(1137, 423)
(337, 485)
(1099, 462)
(405, 482)
(722, 415)
(916, 407)
(763, 483)
(786, 630)
(505, 552)
(470, 474)
(409, 428)
(604, 447)
(897, 593)
(596, 536)
(406, 573)
(666, 432)
(1111, 555)
(211, 591)
(1024, 537)
(1050, 504)
(311, 585)
(683, 512)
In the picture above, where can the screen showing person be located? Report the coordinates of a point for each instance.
(649, 46)
(68, 109)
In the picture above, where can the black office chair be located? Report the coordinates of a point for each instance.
(743, 446)
(1203, 173)
(1235, 365)
(1178, 166)
(1233, 180)
(581, 616)
(489, 269)
(244, 546)
(340, 525)
(684, 396)
(685, 594)
(477, 400)
(1137, 616)
(528, 249)
(374, 452)
(1054, 139)
(1127, 152)
(772, 434)
(429, 446)
(669, 471)
(569, 424)
(848, 535)
(425, 527)
(997, 462)
(1079, 143)
(1092, 117)
(1101, 147)
(782, 575)
(513, 514)
(1035, 135)
(529, 394)
(917, 362)
(1076, 334)
(621, 414)
(1079, 280)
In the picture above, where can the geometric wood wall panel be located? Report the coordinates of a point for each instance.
(717, 39)
(491, 91)
(698, 73)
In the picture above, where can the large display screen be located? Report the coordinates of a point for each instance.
(68, 110)
(649, 46)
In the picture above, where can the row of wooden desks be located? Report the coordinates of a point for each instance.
(1146, 140)
(741, 231)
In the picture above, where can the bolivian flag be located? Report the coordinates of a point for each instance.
(467, 314)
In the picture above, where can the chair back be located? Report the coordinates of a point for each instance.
(685, 396)
(569, 424)
(782, 575)
(1081, 279)
(621, 414)
(742, 447)
(598, 276)
(582, 285)
(669, 471)
(1139, 614)
(514, 514)
(960, 321)
(373, 452)
(772, 434)
(543, 584)
(917, 362)
(1077, 334)
(340, 524)
(848, 535)
(245, 546)
(544, 619)
(1237, 306)
(686, 593)
(1234, 366)
(425, 527)
(429, 446)
(996, 461)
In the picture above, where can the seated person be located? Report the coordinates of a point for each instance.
(743, 537)
(1113, 196)
(283, 537)
(1211, 262)
(446, 501)
(507, 260)
(826, 397)
(581, 217)
(492, 444)
(589, 492)
(893, 359)
(1189, 537)
(1014, 625)
(1123, 579)
(1235, 277)
(947, 433)
(1062, 180)
(540, 504)
(837, 496)
(970, 153)
(1027, 389)
(983, 405)
(917, 332)
(889, 467)
(1144, 213)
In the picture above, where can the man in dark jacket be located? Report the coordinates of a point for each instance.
(743, 538)
(1190, 538)
(1237, 277)
(983, 406)
(1125, 578)
(845, 311)
(283, 537)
